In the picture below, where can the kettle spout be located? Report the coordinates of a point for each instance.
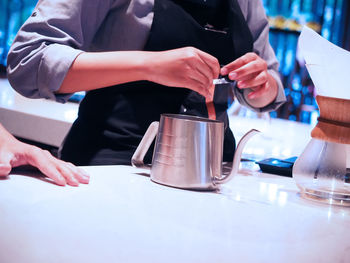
(237, 156)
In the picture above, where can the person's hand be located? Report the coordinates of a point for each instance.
(250, 72)
(184, 67)
(14, 153)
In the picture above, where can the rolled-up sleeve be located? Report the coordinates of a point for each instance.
(258, 24)
(49, 42)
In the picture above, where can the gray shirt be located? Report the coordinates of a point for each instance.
(59, 30)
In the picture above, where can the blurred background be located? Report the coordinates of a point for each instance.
(330, 18)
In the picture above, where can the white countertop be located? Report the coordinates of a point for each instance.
(121, 216)
(38, 120)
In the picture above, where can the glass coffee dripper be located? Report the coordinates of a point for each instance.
(322, 171)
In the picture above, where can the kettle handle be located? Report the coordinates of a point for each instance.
(237, 157)
(141, 150)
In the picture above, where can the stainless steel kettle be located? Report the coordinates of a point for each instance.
(188, 152)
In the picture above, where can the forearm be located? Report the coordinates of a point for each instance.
(102, 69)
(185, 67)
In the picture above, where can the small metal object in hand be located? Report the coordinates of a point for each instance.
(222, 80)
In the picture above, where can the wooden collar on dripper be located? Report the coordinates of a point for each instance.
(334, 121)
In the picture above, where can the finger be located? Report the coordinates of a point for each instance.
(249, 76)
(203, 72)
(79, 174)
(212, 63)
(66, 172)
(240, 62)
(253, 67)
(44, 161)
(214, 66)
(256, 81)
(196, 67)
(51, 172)
(196, 85)
(257, 92)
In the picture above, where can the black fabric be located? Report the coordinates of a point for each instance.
(207, 13)
(112, 121)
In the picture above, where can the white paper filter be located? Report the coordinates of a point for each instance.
(327, 64)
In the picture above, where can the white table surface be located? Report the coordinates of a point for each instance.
(121, 216)
(38, 120)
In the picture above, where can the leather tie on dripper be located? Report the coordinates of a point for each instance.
(334, 121)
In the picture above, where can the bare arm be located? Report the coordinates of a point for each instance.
(184, 67)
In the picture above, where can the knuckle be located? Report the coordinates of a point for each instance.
(187, 69)
(252, 55)
(240, 72)
(216, 63)
(70, 164)
(190, 52)
(34, 151)
(245, 60)
(46, 152)
(256, 67)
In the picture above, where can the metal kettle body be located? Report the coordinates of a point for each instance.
(188, 152)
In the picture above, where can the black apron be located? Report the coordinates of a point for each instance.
(112, 121)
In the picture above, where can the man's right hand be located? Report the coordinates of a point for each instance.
(186, 67)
